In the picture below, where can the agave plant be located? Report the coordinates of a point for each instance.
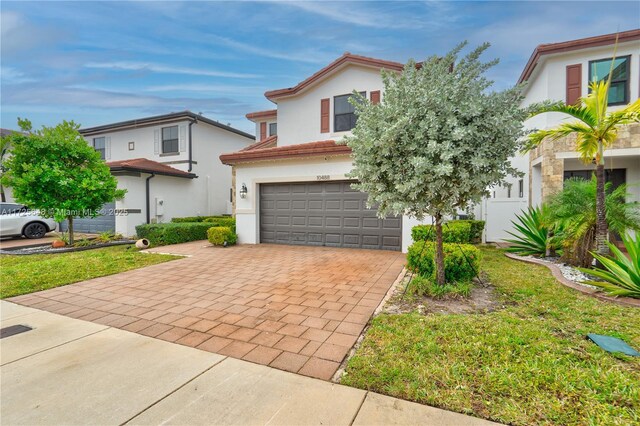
(621, 274)
(533, 237)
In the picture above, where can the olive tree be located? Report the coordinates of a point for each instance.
(437, 141)
(55, 171)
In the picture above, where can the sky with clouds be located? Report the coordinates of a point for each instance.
(101, 62)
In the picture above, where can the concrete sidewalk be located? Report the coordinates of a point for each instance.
(68, 371)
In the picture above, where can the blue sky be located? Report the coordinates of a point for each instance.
(100, 62)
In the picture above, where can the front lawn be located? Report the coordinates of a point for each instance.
(528, 363)
(28, 274)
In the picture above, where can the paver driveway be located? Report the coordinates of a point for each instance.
(294, 308)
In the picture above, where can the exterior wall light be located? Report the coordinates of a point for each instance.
(243, 191)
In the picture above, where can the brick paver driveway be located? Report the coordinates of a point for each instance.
(294, 308)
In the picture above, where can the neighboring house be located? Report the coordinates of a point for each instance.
(291, 185)
(166, 164)
(562, 72)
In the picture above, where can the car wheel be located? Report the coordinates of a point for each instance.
(35, 230)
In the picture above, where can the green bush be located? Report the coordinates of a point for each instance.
(162, 234)
(227, 221)
(477, 226)
(422, 286)
(452, 232)
(461, 261)
(213, 220)
(191, 219)
(218, 235)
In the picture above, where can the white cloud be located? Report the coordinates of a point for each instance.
(206, 88)
(10, 75)
(164, 69)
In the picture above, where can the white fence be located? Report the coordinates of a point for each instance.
(498, 214)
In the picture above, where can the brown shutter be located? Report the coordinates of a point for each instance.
(324, 115)
(375, 97)
(263, 131)
(574, 83)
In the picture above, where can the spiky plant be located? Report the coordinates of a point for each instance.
(574, 211)
(620, 275)
(532, 237)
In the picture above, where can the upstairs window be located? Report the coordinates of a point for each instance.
(619, 90)
(170, 140)
(344, 114)
(273, 129)
(99, 144)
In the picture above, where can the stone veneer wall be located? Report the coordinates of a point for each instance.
(553, 168)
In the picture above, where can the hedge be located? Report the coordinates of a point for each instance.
(213, 220)
(162, 234)
(218, 235)
(461, 261)
(477, 226)
(455, 231)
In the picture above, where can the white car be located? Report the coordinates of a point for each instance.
(17, 220)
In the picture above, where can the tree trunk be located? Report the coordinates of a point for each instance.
(70, 220)
(601, 213)
(440, 278)
(3, 198)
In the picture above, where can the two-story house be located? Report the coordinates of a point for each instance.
(168, 166)
(562, 72)
(291, 186)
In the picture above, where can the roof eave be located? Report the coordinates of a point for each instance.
(153, 172)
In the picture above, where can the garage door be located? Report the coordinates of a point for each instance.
(103, 223)
(324, 214)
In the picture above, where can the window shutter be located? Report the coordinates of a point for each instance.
(183, 138)
(574, 83)
(263, 130)
(375, 97)
(107, 148)
(324, 115)
(156, 141)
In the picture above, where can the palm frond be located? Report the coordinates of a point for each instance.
(579, 112)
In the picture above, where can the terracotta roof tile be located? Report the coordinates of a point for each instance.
(269, 142)
(567, 46)
(262, 114)
(148, 166)
(345, 58)
(311, 149)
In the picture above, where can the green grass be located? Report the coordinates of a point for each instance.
(28, 274)
(526, 364)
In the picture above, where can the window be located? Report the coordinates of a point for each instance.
(170, 140)
(521, 188)
(99, 145)
(273, 129)
(344, 114)
(619, 90)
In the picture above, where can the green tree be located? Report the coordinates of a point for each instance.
(437, 141)
(573, 213)
(55, 171)
(4, 150)
(595, 129)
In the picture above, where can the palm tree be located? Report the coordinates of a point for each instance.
(595, 129)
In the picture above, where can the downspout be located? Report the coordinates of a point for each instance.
(191, 123)
(148, 202)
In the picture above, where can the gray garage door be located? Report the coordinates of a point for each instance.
(103, 223)
(324, 214)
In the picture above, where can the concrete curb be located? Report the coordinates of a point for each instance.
(557, 274)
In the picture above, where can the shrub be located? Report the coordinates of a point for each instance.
(452, 232)
(218, 235)
(532, 238)
(227, 221)
(162, 234)
(477, 226)
(621, 274)
(191, 219)
(461, 261)
(422, 286)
